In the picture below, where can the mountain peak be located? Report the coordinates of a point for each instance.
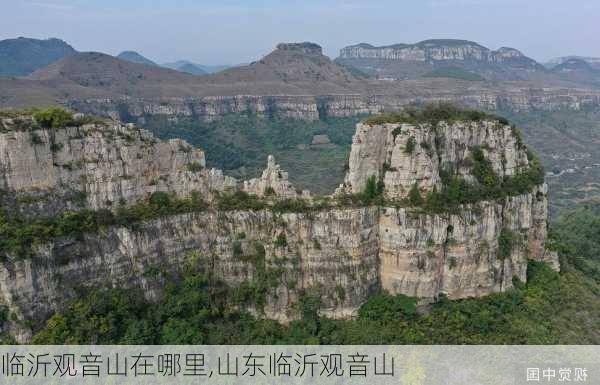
(306, 47)
(135, 57)
(23, 55)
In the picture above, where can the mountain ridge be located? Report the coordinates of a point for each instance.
(22, 56)
(413, 60)
(135, 57)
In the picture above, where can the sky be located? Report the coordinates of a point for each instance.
(236, 31)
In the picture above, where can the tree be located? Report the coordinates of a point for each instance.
(414, 196)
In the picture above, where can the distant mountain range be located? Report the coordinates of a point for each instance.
(135, 57)
(429, 68)
(592, 61)
(195, 68)
(22, 56)
(453, 58)
(104, 72)
(180, 65)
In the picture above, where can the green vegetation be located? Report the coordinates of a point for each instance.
(454, 73)
(565, 140)
(411, 143)
(19, 236)
(281, 240)
(240, 200)
(433, 113)
(506, 243)
(577, 236)
(551, 308)
(54, 117)
(456, 191)
(49, 118)
(414, 196)
(194, 167)
(239, 144)
(385, 307)
(373, 189)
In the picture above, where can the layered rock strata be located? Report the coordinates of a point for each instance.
(316, 107)
(341, 253)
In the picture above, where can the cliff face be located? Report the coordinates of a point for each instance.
(346, 258)
(111, 163)
(343, 253)
(382, 150)
(315, 107)
(434, 50)
(414, 60)
(425, 254)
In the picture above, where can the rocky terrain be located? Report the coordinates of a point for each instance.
(593, 61)
(297, 81)
(519, 100)
(402, 61)
(298, 78)
(92, 203)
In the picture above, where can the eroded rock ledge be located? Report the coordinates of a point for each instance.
(343, 253)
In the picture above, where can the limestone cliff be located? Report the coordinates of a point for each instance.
(515, 99)
(403, 61)
(110, 162)
(457, 253)
(382, 150)
(283, 242)
(434, 50)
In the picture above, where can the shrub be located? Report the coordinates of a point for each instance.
(414, 196)
(160, 198)
(53, 117)
(383, 307)
(56, 147)
(35, 138)
(432, 113)
(295, 205)
(316, 244)
(482, 168)
(281, 240)
(411, 143)
(506, 243)
(239, 200)
(194, 167)
(269, 191)
(373, 190)
(237, 249)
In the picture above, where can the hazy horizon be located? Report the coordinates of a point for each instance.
(233, 31)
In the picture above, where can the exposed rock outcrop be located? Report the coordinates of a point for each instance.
(315, 107)
(273, 181)
(425, 254)
(111, 163)
(433, 50)
(383, 151)
(343, 253)
(414, 60)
